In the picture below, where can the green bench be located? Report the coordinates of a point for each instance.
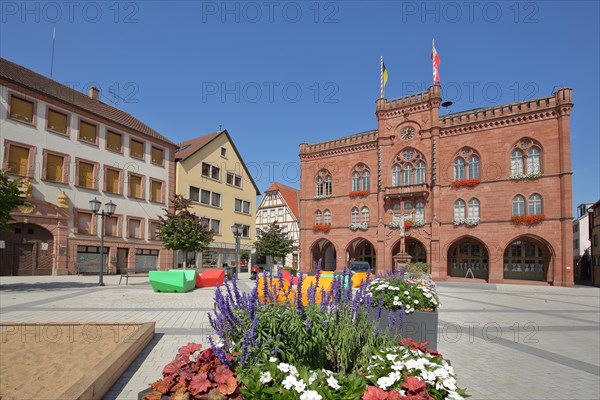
(173, 281)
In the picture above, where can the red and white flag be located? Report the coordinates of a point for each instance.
(436, 63)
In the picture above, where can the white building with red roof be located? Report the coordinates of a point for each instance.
(281, 204)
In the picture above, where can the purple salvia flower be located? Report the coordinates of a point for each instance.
(307, 325)
(311, 294)
(248, 340)
(299, 305)
(318, 272)
(265, 286)
(379, 306)
(324, 299)
(236, 291)
(280, 277)
(276, 350)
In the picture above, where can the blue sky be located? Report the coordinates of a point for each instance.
(275, 74)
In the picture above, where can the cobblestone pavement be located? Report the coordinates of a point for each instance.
(504, 341)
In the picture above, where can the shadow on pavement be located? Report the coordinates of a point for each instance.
(29, 287)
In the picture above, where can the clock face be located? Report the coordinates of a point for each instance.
(407, 133)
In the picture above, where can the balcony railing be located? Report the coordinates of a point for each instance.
(407, 191)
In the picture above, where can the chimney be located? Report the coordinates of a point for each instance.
(94, 93)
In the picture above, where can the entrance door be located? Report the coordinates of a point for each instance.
(122, 260)
(23, 259)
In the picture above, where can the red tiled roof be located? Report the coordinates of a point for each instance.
(290, 195)
(189, 147)
(38, 83)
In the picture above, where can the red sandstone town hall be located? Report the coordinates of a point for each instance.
(484, 191)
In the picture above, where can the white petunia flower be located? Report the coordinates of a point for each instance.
(300, 386)
(333, 383)
(289, 382)
(312, 378)
(385, 382)
(272, 359)
(265, 377)
(283, 367)
(310, 395)
(416, 301)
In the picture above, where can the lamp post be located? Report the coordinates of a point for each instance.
(110, 210)
(237, 232)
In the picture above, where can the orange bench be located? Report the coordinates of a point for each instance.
(210, 278)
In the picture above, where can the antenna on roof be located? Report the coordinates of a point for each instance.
(447, 104)
(220, 127)
(52, 61)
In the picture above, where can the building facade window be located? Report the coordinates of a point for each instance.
(154, 229)
(114, 141)
(157, 156)
(112, 226)
(83, 222)
(194, 194)
(516, 163)
(474, 167)
(87, 173)
(112, 180)
(355, 181)
(57, 122)
(327, 217)
(21, 109)
(318, 217)
(135, 228)
(408, 168)
(156, 191)
(473, 211)
(396, 171)
(459, 169)
(242, 206)
(211, 171)
(531, 151)
(19, 160)
(535, 204)
(459, 209)
(215, 226)
(136, 186)
(136, 149)
(533, 161)
(420, 211)
(354, 216)
(364, 215)
(328, 186)
(210, 198)
(366, 180)
(55, 167)
(234, 179)
(223, 152)
(88, 132)
(518, 206)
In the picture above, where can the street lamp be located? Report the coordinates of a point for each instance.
(110, 210)
(237, 232)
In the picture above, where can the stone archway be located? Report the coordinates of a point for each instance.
(526, 258)
(468, 254)
(362, 250)
(28, 250)
(325, 250)
(414, 247)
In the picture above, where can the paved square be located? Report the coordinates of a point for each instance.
(504, 341)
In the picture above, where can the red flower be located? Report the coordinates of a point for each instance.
(466, 182)
(408, 224)
(414, 385)
(358, 193)
(528, 219)
(374, 393)
(325, 228)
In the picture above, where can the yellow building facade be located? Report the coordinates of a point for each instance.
(211, 172)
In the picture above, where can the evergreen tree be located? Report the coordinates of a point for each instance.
(274, 242)
(11, 197)
(183, 230)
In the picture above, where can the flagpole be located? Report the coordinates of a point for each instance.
(52, 61)
(381, 76)
(433, 59)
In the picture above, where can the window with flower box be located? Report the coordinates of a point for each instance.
(408, 168)
(318, 217)
(88, 132)
(21, 109)
(57, 122)
(327, 217)
(114, 141)
(531, 167)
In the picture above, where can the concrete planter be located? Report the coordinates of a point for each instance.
(419, 326)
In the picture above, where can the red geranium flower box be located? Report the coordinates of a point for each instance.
(466, 183)
(358, 193)
(528, 219)
(325, 228)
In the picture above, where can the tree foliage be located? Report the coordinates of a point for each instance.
(183, 230)
(274, 242)
(11, 197)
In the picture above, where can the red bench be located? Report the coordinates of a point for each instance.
(210, 278)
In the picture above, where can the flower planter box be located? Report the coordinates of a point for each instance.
(419, 326)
